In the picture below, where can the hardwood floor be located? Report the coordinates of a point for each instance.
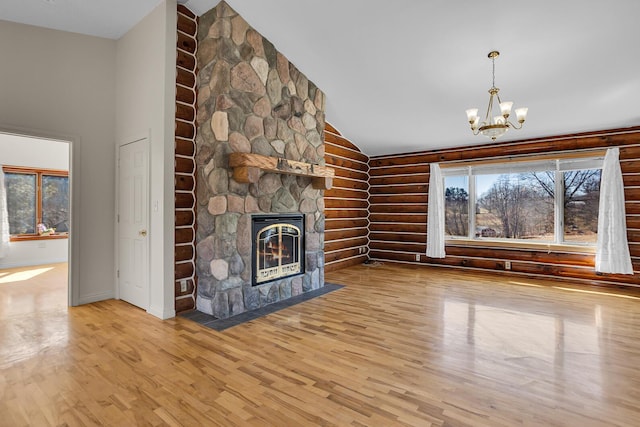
(398, 345)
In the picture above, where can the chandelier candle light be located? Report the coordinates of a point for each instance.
(495, 126)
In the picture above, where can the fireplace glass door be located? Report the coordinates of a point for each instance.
(278, 245)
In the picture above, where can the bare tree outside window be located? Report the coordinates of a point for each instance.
(524, 205)
(582, 199)
(456, 205)
(21, 202)
(37, 200)
(457, 218)
(55, 202)
(514, 209)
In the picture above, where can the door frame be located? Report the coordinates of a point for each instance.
(142, 136)
(73, 251)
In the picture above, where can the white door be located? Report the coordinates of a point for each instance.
(133, 218)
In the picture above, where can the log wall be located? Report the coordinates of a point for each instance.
(186, 68)
(399, 201)
(346, 238)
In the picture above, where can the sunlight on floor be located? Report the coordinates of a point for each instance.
(20, 276)
(585, 291)
(525, 284)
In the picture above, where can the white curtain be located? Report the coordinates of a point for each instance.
(435, 214)
(4, 218)
(612, 253)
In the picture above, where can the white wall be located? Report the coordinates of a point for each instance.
(16, 150)
(62, 85)
(35, 153)
(145, 105)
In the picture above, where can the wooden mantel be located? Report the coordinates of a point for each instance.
(247, 167)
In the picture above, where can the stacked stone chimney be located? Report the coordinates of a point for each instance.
(251, 99)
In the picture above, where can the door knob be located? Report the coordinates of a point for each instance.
(142, 233)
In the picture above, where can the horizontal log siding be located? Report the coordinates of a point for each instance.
(346, 238)
(184, 254)
(399, 202)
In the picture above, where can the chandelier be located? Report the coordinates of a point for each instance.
(495, 126)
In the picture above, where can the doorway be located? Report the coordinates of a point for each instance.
(36, 199)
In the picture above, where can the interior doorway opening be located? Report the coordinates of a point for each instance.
(35, 213)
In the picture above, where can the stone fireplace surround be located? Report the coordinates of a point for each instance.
(251, 99)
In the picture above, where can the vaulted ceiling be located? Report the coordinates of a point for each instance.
(398, 75)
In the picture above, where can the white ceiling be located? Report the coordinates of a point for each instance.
(399, 74)
(102, 18)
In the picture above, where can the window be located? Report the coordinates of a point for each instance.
(456, 205)
(37, 202)
(546, 201)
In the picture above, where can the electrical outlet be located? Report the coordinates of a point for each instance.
(183, 285)
(507, 265)
(417, 257)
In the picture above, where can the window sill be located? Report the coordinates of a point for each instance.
(34, 237)
(538, 246)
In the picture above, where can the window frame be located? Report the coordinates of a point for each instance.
(591, 158)
(39, 173)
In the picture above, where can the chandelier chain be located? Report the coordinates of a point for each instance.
(493, 74)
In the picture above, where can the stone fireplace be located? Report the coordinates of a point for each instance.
(255, 105)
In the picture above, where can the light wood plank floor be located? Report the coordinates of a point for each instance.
(398, 345)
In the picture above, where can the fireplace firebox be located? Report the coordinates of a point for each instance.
(278, 247)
